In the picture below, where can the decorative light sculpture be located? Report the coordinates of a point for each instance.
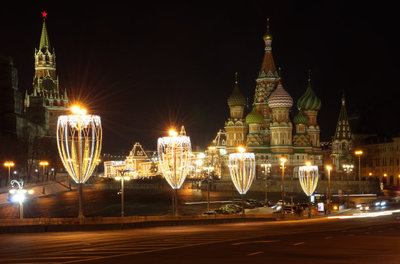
(79, 139)
(308, 177)
(242, 167)
(174, 154)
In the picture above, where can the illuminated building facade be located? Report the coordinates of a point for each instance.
(268, 130)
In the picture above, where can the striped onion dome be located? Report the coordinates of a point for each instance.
(300, 118)
(236, 98)
(280, 98)
(309, 101)
(254, 117)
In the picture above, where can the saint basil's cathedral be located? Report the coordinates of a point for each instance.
(267, 130)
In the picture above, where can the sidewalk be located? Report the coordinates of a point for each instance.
(51, 188)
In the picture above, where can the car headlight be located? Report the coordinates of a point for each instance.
(377, 203)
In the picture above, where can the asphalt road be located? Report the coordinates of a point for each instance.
(366, 240)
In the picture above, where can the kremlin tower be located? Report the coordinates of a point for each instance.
(47, 101)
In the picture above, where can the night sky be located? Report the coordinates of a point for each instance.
(145, 67)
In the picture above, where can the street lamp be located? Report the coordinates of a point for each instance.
(348, 168)
(359, 153)
(9, 164)
(266, 172)
(329, 168)
(283, 160)
(18, 195)
(174, 155)
(122, 178)
(242, 167)
(43, 164)
(79, 139)
(308, 177)
(209, 169)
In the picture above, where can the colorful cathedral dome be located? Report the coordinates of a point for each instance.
(309, 101)
(254, 117)
(300, 118)
(280, 98)
(236, 98)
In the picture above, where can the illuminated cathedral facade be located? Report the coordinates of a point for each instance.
(268, 130)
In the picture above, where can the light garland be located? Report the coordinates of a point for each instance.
(79, 140)
(242, 167)
(308, 177)
(174, 154)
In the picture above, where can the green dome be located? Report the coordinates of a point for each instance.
(254, 117)
(300, 118)
(309, 101)
(236, 98)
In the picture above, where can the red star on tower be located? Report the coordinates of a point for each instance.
(44, 14)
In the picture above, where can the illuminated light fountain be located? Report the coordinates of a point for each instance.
(308, 177)
(79, 139)
(242, 167)
(174, 153)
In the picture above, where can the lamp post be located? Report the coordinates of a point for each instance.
(9, 164)
(79, 139)
(122, 178)
(174, 155)
(209, 178)
(43, 164)
(267, 171)
(18, 195)
(308, 177)
(348, 168)
(283, 160)
(329, 168)
(359, 153)
(242, 168)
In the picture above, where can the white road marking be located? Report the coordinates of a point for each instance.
(299, 243)
(251, 242)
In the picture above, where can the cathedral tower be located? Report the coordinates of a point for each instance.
(267, 80)
(236, 127)
(47, 101)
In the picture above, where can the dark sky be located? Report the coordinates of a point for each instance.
(145, 67)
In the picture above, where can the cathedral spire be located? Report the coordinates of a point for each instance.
(44, 38)
(268, 65)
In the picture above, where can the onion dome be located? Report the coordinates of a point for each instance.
(300, 118)
(309, 101)
(236, 98)
(280, 98)
(254, 117)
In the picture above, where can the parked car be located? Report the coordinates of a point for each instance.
(364, 207)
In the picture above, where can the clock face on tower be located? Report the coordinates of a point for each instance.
(48, 84)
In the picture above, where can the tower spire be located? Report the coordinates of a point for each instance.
(268, 65)
(309, 77)
(44, 38)
(343, 127)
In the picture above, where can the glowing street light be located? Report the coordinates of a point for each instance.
(329, 168)
(359, 153)
(19, 195)
(122, 178)
(174, 154)
(43, 164)
(308, 177)
(283, 161)
(79, 139)
(242, 167)
(266, 171)
(9, 164)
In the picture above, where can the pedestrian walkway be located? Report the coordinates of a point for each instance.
(50, 188)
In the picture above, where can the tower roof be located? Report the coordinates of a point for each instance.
(236, 98)
(343, 131)
(254, 117)
(309, 101)
(300, 118)
(280, 98)
(268, 68)
(44, 38)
